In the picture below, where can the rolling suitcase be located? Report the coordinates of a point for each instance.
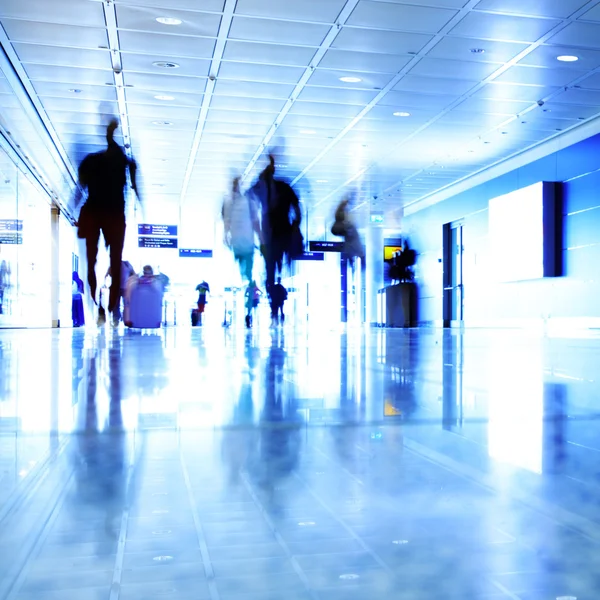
(194, 317)
(145, 304)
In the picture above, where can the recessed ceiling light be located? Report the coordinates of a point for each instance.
(165, 65)
(401, 113)
(162, 123)
(322, 181)
(477, 50)
(308, 131)
(75, 91)
(350, 79)
(168, 21)
(161, 97)
(567, 58)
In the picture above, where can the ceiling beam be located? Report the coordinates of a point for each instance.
(215, 65)
(110, 16)
(314, 63)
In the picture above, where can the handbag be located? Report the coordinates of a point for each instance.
(296, 243)
(338, 228)
(84, 222)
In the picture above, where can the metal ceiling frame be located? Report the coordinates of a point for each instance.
(512, 62)
(213, 73)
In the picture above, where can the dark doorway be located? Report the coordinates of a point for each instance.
(453, 248)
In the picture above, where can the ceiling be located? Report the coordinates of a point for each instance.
(201, 100)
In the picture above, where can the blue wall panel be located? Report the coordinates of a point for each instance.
(488, 303)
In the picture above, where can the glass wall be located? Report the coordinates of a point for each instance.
(25, 244)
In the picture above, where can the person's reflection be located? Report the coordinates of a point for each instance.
(279, 440)
(237, 439)
(101, 470)
(5, 370)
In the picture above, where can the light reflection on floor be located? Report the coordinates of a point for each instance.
(288, 463)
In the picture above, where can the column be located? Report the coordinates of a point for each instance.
(54, 264)
(374, 269)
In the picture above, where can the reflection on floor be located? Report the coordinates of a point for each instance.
(275, 464)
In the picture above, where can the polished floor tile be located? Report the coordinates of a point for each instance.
(299, 464)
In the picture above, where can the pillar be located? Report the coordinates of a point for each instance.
(374, 269)
(54, 264)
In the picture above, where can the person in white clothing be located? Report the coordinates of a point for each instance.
(241, 226)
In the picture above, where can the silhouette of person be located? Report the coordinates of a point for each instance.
(104, 174)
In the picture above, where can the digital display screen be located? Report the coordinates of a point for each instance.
(516, 235)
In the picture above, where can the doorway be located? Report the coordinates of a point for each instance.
(454, 292)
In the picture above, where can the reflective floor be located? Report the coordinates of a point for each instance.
(298, 464)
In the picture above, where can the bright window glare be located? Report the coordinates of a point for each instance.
(517, 235)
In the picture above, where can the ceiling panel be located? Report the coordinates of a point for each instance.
(253, 72)
(434, 3)
(52, 34)
(324, 109)
(502, 27)
(385, 15)
(593, 14)
(584, 35)
(560, 9)
(254, 104)
(284, 32)
(165, 83)
(235, 116)
(144, 63)
(139, 18)
(57, 11)
(434, 85)
(381, 42)
(494, 106)
(142, 96)
(401, 100)
(545, 56)
(207, 5)
(272, 54)
(253, 89)
(473, 49)
(82, 92)
(437, 67)
(331, 78)
(324, 11)
(509, 91)
(166, 45)
(336, 95)
(163, 112)
(67, 57)
(583, 97)
(76, 105)
(538, 76)
(69, 75)
(363, 61)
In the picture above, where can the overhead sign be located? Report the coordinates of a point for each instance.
(156, 242)
(159, 230)
(9, 237)
(311, 256)
(194, 253)
(326, 246)
(376, 217)
(11, 225)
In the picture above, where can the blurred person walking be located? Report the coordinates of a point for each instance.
(280, 235)
(104, 175)
(127, 271)
(278, 296)
(253, 295)
(344, 227)
(241, 226)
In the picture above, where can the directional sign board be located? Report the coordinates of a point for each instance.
(156, 242)
(311, 256)
(194, 253)
(157, 230)
(326, 246)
